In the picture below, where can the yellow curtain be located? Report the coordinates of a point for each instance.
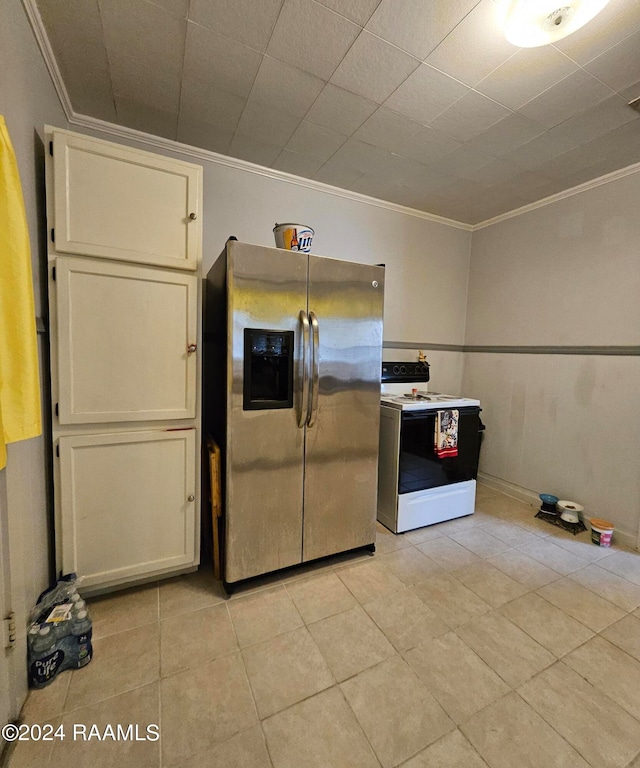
(19, 380)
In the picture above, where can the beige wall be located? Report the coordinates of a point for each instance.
(564, 274)
(27, 101)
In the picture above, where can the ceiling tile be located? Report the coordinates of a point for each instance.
(425, 94)
(461, 162)
(387, 129)
(199, 133)
(311, 37)
(179, 8)
(144, 118)
(360, 156)
(426, 145)
(268, 124)
(139, 80)
(337, 174)
(281, 85)
(357, 10)
(426, 180)
(340, 110)
(246, 21)
(297, 164)
(203, 102)
(495, 172)
(475, 47)
(469, 116)
(617, 20)
(632, 92)
(577, 92)
(532, 154)
(596, 121)
(315, 141)
(417, 26)
(254, 151)
(525, 75)
(619, 67)
(74, 30)
(379, 187)
(373, 68)
(506, 135)
(128, 22)
(215, 59)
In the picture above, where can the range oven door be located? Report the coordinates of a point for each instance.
(419, 467)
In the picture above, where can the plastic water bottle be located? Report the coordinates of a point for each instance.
(45, 659)
(81, 629)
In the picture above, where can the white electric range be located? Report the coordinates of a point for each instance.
(415, 486)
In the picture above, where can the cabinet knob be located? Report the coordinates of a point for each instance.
(192, 348)
(193, 216)
(191, 498)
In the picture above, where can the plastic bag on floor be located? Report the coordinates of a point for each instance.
(59, 633)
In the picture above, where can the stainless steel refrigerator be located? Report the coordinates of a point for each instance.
(293, 350)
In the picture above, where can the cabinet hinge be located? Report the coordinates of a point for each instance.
(56, 409)
(53, 235)
(58, 451)
(53, 273)
(10, 630)
(51, 148)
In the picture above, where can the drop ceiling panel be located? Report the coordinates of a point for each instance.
(574, 94)
(528, 73)
(297, 164)
(417, 26)
(143, 118)
(373, 68)
(315, 141)
(74, 30)
(311, 37)
(198, 133)
(469, 116)
(299, 85)
(285, 87)
(340, 110)
(427, 145)
(246, 21)
(204, 102)
(357, 10)
(475, 47)
(425, 94)
(619, 67)
(221, 61)
(387, 129)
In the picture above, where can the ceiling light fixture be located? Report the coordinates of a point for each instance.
(530, 23)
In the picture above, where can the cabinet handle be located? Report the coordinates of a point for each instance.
(192, 348)
(191, 498)
(193, 216)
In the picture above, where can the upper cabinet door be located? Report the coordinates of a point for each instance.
(120, 203)
(126, 342)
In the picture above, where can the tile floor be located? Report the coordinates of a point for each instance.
(494, 640)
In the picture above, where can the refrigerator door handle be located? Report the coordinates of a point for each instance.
(315, 368)
(303, 416)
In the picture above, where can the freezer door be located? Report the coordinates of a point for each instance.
(267, 290)
(341, 461)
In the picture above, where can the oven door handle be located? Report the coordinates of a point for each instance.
(303, 416)
(315, 369)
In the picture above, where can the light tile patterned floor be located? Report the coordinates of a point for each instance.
(490, 641)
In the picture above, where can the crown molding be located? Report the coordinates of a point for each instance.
(585, 187)
(169, 145)
(35, 20)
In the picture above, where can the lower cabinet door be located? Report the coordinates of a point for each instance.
(127, 504)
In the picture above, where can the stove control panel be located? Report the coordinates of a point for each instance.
(405, 371)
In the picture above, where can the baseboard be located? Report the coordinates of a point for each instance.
(509, 489)
(622, 538)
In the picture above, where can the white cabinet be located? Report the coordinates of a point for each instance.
(124, 324)
(119, 203)
(127, 502)
(127, 338)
